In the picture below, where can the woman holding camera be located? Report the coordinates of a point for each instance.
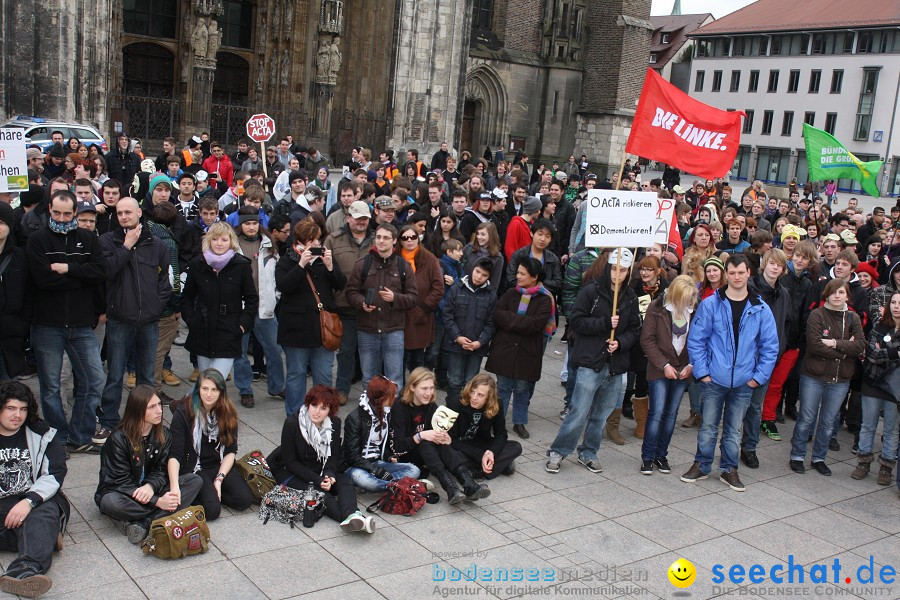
(204, 442)
(310, 453)
(305, 264)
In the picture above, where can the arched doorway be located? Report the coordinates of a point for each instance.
(470, 114)
(230, 97)
(148, 90)
(486, 107)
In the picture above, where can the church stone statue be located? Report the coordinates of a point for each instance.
(215, 40)
(200, 38)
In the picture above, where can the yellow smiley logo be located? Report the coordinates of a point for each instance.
(682, 573)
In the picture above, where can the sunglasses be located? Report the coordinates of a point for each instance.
(409, 238)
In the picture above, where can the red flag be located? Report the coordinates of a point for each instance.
(675, 244)
(671, 127)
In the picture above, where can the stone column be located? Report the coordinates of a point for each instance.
(429, 75)
(614, 70)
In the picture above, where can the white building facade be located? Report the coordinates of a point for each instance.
(843, 80)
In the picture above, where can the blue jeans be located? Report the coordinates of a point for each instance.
(716, 400)
(871, 407)
(299, 362)
(753, 418)
(381, 354)
(520, 391)
(595, 398)
(461, 367)
(665, 398)
(222, 365)
(266, 331)
(822, 399)
(121, 339)
(84, 353)
(369, 483)
(346, 356)
(695, 397)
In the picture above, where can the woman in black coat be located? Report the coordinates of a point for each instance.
(219, 300)
(204, 441)
(524, 317)
(310, 454)
(13, 291)
(480, 429)
(299, 329)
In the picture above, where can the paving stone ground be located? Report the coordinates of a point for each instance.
(608, 535)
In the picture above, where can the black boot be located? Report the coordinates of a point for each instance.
(628, 408)
(473, 490)
(454, 494)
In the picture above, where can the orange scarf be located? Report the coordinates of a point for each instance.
(410, 257)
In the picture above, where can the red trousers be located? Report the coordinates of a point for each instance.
(779, 375)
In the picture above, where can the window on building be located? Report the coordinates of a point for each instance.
(155, 18)
(866, 104)
(803, 45)
(703, 48)
(773, 81)
(726, 46)
(741, 167)
(768, 116)
(754, 81)
(717, 81)
(837, 80)
(740, 46)
(776, 46)
(809, 118)
(830, 122)
(563, 19)
(787, 123)
(848, 42)
(652, 58)
(735, 81)
(864, 43)
(698, 81)
(793, 81)
(772, 164)
(763, 45)
(815, 78)
(748, 122)
(818, 43)
(237, 24)
(482, 14)
(665, 38)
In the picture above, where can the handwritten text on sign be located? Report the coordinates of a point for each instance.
(260, 127)
(665, 207)
(621, 218)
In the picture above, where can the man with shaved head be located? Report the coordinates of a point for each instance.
(137, 290)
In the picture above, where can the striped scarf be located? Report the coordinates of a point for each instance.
(525, 300)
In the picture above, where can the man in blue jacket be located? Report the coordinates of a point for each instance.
(733, 346)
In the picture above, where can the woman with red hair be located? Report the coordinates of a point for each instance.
(310, 453)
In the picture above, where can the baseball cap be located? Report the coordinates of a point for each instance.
(677, 190)
(359, 209)
(384, 202)
(84, 207)
(202, 175)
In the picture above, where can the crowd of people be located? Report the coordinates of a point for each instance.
(771, 308)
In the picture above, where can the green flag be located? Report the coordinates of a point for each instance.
(828, 159)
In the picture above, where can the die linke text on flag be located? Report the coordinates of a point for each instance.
(671, 127)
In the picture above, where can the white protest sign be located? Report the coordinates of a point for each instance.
(620, 218)
(665, 209)
(13, 162)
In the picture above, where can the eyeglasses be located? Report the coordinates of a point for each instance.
(409, 238)
(647, 269)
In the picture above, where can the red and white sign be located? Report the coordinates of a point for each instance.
(671, 127)
(260, 127)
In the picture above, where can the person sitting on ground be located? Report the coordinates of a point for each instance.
(310, 454)
(33, 509)
(480, 430)
(204, 442)
(371, 466)
(414, 438)
(134, 488)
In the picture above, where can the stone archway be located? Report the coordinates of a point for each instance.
(491, 122)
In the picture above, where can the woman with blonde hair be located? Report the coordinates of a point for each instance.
(415, 439)
(664, 340)
(219, 301)
(701, 246)
(480, 430)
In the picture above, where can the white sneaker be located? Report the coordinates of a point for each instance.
(369, 526)
(553, 461)
(355, 522)
(429, 485)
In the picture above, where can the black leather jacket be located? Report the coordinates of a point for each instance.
(356, 434)
(121, 467)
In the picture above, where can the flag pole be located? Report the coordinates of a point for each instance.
(621, 170)
(615, 306)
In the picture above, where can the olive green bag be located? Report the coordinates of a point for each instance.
(178, 535)
(255, 471)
